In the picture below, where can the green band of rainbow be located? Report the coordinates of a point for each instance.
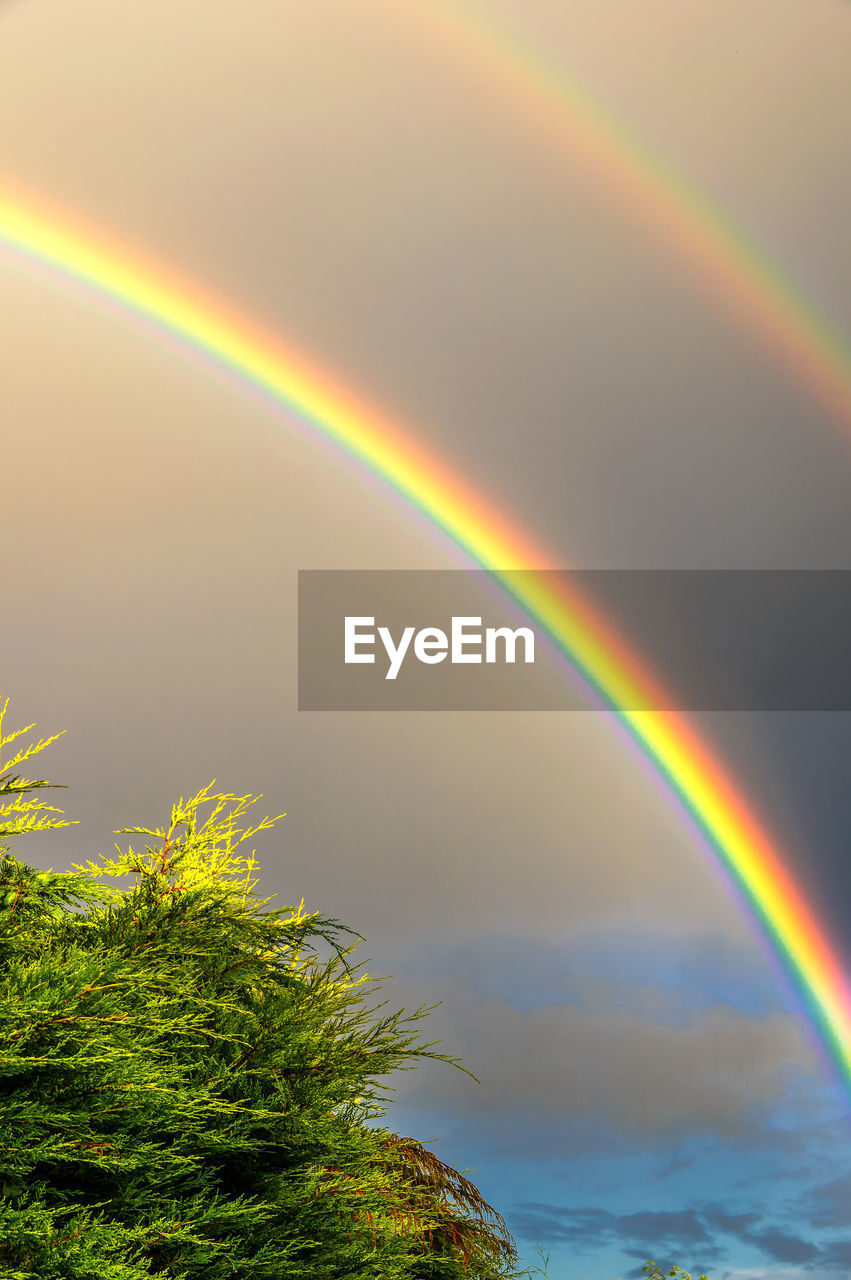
(743, 847)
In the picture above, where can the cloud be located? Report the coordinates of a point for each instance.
(780, 1246)
(829, 1205)
(692, 1232)
(838, 1254)
(642, 1235)
(622, 1068)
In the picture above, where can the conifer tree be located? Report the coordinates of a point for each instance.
(188, 1089)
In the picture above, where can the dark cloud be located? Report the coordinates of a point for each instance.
(690, 1231)
(732, 1224)
(625, 1068)
(779, 1246)
(551, 1223)
(828, 1205)
(644, 1235)
(838, 1254)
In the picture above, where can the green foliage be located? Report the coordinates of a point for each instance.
(650, 1269)
(18, 816)
(188, 1090)
(676, 1273)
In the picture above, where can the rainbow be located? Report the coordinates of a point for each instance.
(568, 117)
(742, 846)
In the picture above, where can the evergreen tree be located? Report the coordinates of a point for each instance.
(188, 1090)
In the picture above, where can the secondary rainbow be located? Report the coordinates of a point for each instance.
(569, 118)
(744, 848)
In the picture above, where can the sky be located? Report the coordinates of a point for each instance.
(351, 178)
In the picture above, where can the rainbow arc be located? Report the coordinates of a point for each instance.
(742, 845)
(575, 124)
